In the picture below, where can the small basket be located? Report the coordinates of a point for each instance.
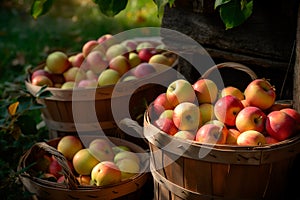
(131, 188)
(185, 169)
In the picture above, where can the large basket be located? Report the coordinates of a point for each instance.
(184, 169)
(58, 113)
(132, 188)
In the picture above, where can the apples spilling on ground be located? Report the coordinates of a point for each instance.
(99, 164)
(103, 62)
(204, 113)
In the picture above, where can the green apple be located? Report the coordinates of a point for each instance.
(134, 59)
(115, 50)
(101, 149)
(106, 173)
(206, 112)
(57, 62)
(120, 64)
(68, 85)
(159, 59)
(117, 149)
(126, 155)
(74, 74)
(108, 77)
(167, 114)
(128, 167)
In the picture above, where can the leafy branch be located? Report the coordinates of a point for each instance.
(232, 12)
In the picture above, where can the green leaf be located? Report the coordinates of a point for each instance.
(111, 8)
(221, 2)
(40, 7)
(234, 13)
(43, 93)
(27, 124)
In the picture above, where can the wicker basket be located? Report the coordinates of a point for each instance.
(131, 188)
(184, 169)
(65, 107)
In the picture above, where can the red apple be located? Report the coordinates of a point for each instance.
(56, 169)
(260, 93)
(166, 125)
(294, 114)
(250, 118)
(180, 91)
(280, 125)
(41, 72)
(162, 100)
(206, 90)
(227, 108)
(271, 140)
(146, 54)
(41, 80)
(212, 133)
(143, 70)
(88, 47)
(251, 138)
(76, 60)
(186, 116)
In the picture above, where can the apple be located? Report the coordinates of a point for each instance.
(250, 118)
(260, 93)
(106, 41)
(146, 54)
(154, 111)
(84, 161)
(129, 78)
(128, 168)
(144, 45)
(294, 114)
(56, 169)
(108, 77)
(76, 60)
(57, 62)
(206, 112)
(41, 80)
(104, 38)
(41, 72)
(234, 91)
(167, 114)
(115, 50)
(187, 135)
(130, 44)
(166, 125)
(90, 75)
(84, 180)
(101, 149)
(88, 47)
(206, 90)
(143, 70)
(271, 140)
(68, 85)
(251, 138)
(74, 74)
(163, 101)
(180, 91)
(232, 136)
(69, 145)
(126, 155)
(159, 59)
(280, 125)
(245, 103)
(227, 108)
(95, 61)
(87, 84)
(120, 64)
(212, 133)
(186, 116)
(106, 173)
(61, 179)
(134, 59)
(119, 148)
(42, 163)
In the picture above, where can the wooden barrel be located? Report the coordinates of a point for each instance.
(184, 169)
(89, 110)
(132, 188)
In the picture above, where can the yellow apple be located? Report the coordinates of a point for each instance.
(69, 146)
(186, 116)
(129, 167)
(57, 62)
(84, 161)
(126, 155)
(231, 90)
(206, 112)
(251, 138)
(108, 77)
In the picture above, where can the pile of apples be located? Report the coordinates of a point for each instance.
(99, 164)
(102, 62)
(204, 113)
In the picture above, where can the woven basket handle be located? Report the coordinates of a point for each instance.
(70, 179)
(233, 65)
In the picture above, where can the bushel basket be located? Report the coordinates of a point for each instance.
(185, 169)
